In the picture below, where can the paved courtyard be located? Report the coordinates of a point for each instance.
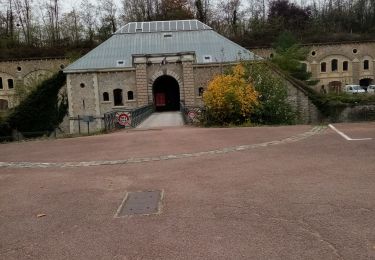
(291, 192)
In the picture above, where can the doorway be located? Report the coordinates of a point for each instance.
(365, 82)
(334, 87)
(166, 93)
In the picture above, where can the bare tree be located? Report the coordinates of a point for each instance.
(24, 13)
(52, 9)
(108, 10)
(71, 28)
(107, 19)
(88, 13)
(139, 10)
(202, 10)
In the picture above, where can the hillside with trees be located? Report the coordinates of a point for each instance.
(42, 28)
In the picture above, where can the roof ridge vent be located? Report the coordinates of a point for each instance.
(163, 26)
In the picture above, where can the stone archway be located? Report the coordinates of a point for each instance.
(165, 72)
(166, 93)
(365, 82)
(35, 77)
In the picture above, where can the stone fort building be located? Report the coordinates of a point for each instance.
(165, 63)
(337, 64)
(160, 63)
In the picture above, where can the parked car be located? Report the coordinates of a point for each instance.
(371, 89)
(354, 89)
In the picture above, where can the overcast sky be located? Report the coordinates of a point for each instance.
(69, 4)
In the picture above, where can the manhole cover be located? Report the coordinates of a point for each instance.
(140, 203)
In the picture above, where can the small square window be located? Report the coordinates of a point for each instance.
(120, 63)
(168, 35)
(207, 58)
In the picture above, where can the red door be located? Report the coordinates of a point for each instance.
(160, 99)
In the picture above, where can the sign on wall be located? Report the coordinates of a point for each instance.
(123, 119)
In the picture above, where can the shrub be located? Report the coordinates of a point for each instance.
(42, 110)
(229, 98)
(289, 55)
(274, 107)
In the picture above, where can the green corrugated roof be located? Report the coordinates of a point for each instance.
(147, 38)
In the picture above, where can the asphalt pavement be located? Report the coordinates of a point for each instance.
(286, 193)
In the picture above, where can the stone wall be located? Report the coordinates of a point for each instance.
(203, 75)
(355, 113)
(25, 73)
(83, 96)
(109, 81)
(307, 112)
(86, 95)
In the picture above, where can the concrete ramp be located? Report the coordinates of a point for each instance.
(163, 119)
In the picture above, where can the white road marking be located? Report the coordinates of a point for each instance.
(345, 136)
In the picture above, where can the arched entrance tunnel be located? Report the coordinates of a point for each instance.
(365, 82)
(166, 93)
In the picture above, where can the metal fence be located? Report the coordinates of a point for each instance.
(126, 118)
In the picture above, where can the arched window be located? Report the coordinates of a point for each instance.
(3, 104)
(10, 83)
(117, 97)
(334, 65)
(323, 67)
(345, 66)
(366, 65)
(105, 96)
(200, 91)
(1, 83)
(130, 95)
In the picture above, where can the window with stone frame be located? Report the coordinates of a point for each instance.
(117, 97)
(10, 83)
(366, 65)
(1, 83)
(130, 95)
(345, 66)
(334, 64)
(323, 67)
(200, 91)
(105, 96)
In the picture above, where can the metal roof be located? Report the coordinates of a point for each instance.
(117, 52)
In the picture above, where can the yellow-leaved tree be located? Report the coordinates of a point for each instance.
(230, 98)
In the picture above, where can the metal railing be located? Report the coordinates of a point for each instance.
(127, 118)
